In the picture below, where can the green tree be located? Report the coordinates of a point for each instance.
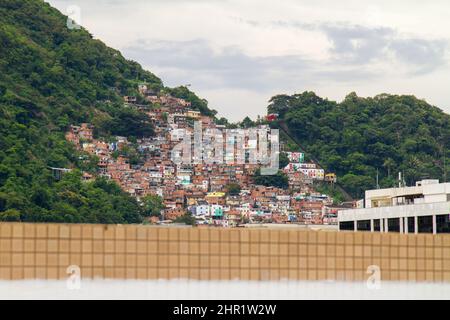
(152, 204)
(233, 188)
(279, 180)
(357, 136)
(10, 215)
(187, 219)
(52, 77)
(128, 122)
(247, 123)
(283, 160)
(197, 103)
(389, 164)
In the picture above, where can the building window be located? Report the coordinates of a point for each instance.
(376, 225)
(443, 223)
(363, 225)
(425, 224)
(393, 225)
(411, 225)
(347, 225)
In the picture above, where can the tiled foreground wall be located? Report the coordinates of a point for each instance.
(41, 251)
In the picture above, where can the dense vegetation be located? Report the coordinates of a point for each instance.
(197, 103)
(279, 180)
(69, 200)
(359, 136)
(153, 205)
(51, 77)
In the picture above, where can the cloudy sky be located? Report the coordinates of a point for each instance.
(239, 53)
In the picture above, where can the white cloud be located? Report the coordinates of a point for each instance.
(237, 54)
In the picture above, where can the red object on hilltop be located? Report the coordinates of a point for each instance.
(272, 117)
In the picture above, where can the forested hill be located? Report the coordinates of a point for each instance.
(51, 77)
(356, 137)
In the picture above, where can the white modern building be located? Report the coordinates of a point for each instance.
(424, 208)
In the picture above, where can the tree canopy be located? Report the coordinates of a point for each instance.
(279, 180)
(357, 136)
(52, 77)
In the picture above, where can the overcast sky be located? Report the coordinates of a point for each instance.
(239, 53)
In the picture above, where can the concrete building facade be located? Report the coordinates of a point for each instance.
(424, 208)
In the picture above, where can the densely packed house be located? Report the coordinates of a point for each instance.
(201, 189)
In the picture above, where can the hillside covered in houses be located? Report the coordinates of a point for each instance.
(219, 193)
(86, 137)
(52, 77)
